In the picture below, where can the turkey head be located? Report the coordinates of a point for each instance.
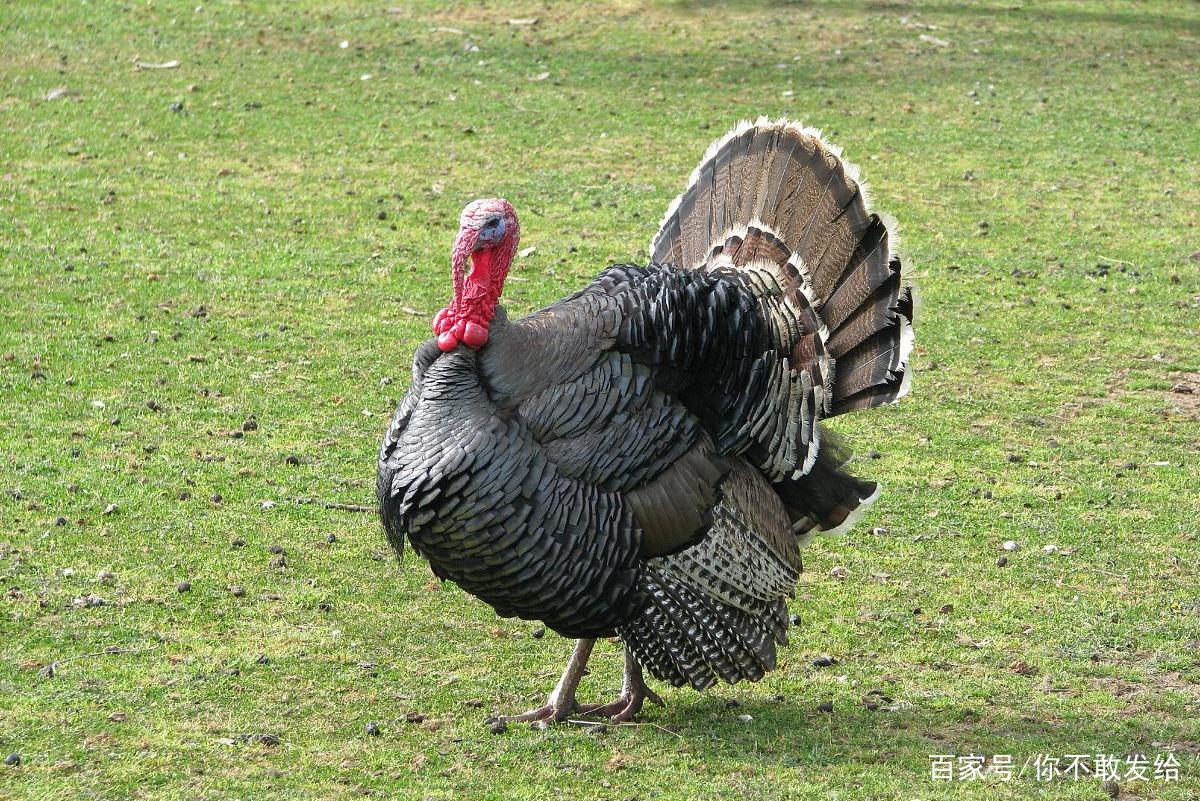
(488, 233)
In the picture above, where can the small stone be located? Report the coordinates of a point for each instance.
(1049, 549)
(1013, 458)
(382, 215)
(746, 718)
(880, 531)
(538, 633)
(118, 717)
(839, 572)
(946, 609)
(184, 495)
(263, 739)
(60, 521)
(497, 726)
(373, 729)
(292, 459)
(105, 575)
(826, 707)
(153, 405)
(1022, 668)
(177, 107)
(216, 497)
(237, 590)
(1129, 466)
(279, 562)
(795, 620)
(1182, 389)
(110, 509)
(183, 586)
(263, 659)
(250, 425)
(824, 660)
(1001, 561)
(331, 538)
(13, 759)
(779, 698)
(873, 455)
(275, 549)
(324, 606)
(116, 421)
(1010, 545)
(237, 542)
(599, 728)
(1112, 788)
(733, 703)
(414, 717)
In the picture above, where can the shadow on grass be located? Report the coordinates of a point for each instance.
(789, 733)
(1010, 11)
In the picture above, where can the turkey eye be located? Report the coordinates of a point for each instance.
(491, 224)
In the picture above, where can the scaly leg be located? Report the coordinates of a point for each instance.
(562, 701)
(634, 694)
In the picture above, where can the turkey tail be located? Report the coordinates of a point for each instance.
(774, 195)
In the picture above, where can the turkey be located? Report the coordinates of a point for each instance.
(645, 458)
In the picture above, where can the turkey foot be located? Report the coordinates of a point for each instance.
(634, 694)
(561, 702)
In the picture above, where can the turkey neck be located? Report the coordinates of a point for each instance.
(509, 366)
(481, 288)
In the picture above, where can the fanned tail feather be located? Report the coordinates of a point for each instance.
(775, 192)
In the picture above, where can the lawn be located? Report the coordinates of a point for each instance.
(215, 266)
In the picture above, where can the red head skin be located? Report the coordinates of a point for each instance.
(487, 236)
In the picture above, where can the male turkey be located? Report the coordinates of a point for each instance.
(644, 458)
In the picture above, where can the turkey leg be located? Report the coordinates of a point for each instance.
(562, 700)
(634, 694)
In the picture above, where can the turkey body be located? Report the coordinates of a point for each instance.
(645, 457)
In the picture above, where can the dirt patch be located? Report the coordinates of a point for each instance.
(1113, 389)
(1184, 394)
(1153, 683)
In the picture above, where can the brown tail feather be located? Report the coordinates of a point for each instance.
(775, 191)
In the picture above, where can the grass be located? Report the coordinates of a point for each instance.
(274, 247)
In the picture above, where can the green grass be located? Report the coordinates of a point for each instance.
(275, 248)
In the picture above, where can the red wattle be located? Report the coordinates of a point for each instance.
(440, 320)
(475, 335)
(447, 341)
